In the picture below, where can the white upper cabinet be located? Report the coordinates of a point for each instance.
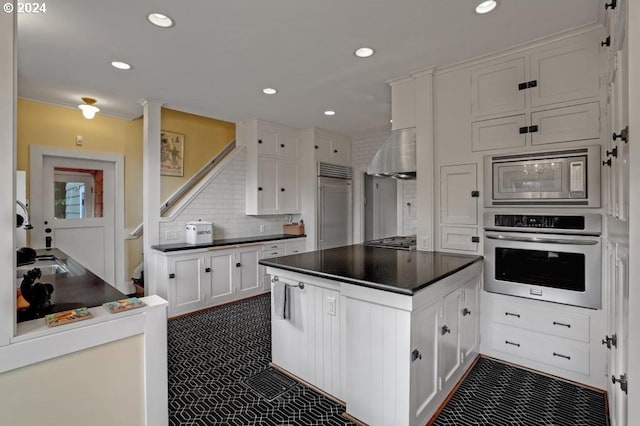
(567, 72)
(331, 147)
(548, 94)
(272, 163)
(495, 88)
(458, 199)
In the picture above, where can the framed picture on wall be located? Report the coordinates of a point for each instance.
(171, 154)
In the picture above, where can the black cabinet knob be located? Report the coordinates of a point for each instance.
(606, 42)
(607, 163)
(281, 145)
(445, 330)
(315, 146)
(238, 265)
(611, 5)
(466, 312)
(172, 275)
(259, 140)
(259, 188)
(207, 270)
(624, 135)
(282, 189)
(613, 152)
(335, 151)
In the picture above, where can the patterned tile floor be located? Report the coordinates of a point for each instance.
(496, 394)
(212, 354)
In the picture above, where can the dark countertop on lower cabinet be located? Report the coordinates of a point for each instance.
(226, 242)
(397, 271)
(74, 289)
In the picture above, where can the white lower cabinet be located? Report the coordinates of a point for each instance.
(199, 279)
(391, 358)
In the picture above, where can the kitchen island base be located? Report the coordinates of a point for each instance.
(393, 358)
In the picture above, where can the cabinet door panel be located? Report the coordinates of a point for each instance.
(221, 281)
(498, 133)
(248, 270)
(186, 286)
(288, 192)
(424, 370)
(457, 205)
(458, 238)
(566, 73)
(469, 324)
(267, 185)
(494, 89)
(267, 140)
(449, 335)
(578, 122)
(322, 148)
(340, 151)
(287, 145)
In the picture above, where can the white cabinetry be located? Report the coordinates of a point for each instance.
(331, 147)
(276, 249)
(272, 171)
(196, 279)
(549, 94)
(459, 207)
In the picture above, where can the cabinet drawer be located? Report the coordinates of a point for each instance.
(547, 321)
(294, 247)
(273, 246)
(267, 254)
(539, 348)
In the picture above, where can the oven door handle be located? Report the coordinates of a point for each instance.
(542, 240)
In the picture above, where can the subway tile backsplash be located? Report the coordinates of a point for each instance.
(222, 202)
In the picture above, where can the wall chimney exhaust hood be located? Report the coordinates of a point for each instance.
(397, 157)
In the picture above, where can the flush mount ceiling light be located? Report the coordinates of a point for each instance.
(88, 109)
(364, 52)
(329, 112)
(160, 20)
(486, 6)
(121, 65)
(269, 91)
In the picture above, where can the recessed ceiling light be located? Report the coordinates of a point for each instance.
(269, 91)
(160, 20)
(364, 52)
(329, 112)
(121, 65)
(486, 6)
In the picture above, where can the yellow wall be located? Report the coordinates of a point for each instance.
(203, 138)
(103, 385)
(57, 126)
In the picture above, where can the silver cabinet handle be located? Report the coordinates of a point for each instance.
(542, 240)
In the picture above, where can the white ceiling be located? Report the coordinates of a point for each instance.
(220, 54)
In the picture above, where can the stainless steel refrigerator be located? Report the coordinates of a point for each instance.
(335, 206)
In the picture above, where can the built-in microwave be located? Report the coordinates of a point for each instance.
(569, 178)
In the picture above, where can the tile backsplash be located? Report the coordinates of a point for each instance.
(222, 202)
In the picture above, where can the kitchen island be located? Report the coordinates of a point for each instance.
(388, 332)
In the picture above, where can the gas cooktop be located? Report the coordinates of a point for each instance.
(397, 243)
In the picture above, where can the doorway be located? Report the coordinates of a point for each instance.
(77, 203)
(380, 207)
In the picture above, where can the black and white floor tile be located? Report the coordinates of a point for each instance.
(497, 394)
(214, 357)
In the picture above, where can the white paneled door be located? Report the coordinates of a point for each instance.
(78, 211)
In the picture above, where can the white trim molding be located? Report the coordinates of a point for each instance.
(37, 154)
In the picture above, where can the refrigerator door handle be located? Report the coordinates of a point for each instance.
(320, 213)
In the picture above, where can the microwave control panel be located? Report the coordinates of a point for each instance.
(539, 221)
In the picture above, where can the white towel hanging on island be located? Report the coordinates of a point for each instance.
(280, 300)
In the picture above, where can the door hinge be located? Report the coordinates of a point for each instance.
(523, 130)
(611, 5)
(606, 42)
(475, 194)
(522, 86)
(533, 129)
(532, 83)
(475, 239)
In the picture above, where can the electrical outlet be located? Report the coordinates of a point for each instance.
(261, 228)
(331, 306)
(172, 235)
(79, 140)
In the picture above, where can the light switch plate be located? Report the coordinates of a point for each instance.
(171, 235)
(331, 306)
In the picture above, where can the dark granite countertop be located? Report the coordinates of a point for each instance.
(398, 271)
(226, 242)
(77, 288)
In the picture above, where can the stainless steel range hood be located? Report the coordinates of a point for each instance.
(397, 157)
